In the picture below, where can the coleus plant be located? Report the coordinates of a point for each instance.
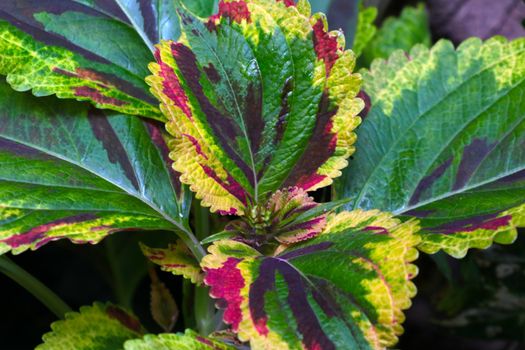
(261, 105)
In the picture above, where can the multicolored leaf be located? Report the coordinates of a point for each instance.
(68, 171)
(396, 33)
(68, 49)
(345, 289)
(258, 98)
(290, 216)
(445, 142)
(187, 341)
(97, 327)
(176, 259)
(153, 20)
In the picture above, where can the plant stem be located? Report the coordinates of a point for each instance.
(202, 221)
(204, 311)
(192, 242)
(34, 286)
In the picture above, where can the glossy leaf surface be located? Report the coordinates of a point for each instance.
(97, 327)
(63, 47)
(345, 289)
(258, 98)
(445, 142)
(69, 171)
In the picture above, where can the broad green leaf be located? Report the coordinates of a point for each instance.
(259, 98)
(153, 20)
(366, 30)
(187, 341)
(445, 142)
(345, 289)
(97, 327)
(68, 49)
(403, 32)
(69, 171)
(176, 259)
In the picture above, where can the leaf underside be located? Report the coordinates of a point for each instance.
(445, 142)
(345, 289)
(69, 171)
(258, 98)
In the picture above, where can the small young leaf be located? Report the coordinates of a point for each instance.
(259, 98)
(163, 307)
(344, 289)
(187, 341)
(446, 129)
(218, 236)
(97, 327)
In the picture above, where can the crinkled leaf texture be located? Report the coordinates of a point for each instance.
(258, 98)
(97, 327)
(69, 171)
(95, 51)
(402, 32)
(345, 289)
(445, 142)
(187, 341)
(176, 259)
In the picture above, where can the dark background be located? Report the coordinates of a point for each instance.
(82, 274)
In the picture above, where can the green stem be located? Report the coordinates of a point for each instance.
(34, 286)
(192, 242)
(202, 221)
(187, 302)
(123, 296)
(204, 311)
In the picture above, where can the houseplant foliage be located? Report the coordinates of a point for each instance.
(260, 108)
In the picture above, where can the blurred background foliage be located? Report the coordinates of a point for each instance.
(477, 303)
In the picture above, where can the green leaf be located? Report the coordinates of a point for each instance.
(444, 142)
(69, 171)
(258, 99)
(75, 52)
(218, 236)
(187, 341)
(153, 20)
(403, 32)
(345, 289)
(97, 327)
(366, 30)
(177, 259)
